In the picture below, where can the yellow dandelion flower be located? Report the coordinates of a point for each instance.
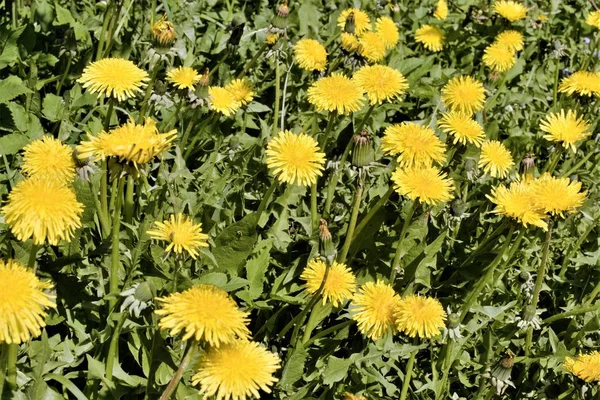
(336, 93)
(567, 128)
(388, 31)
(427, 184)
(164, 32)
(114, 77)
(205, 313)
(463, 93)
(499, 57)
(360, 21)
(542, 18)
(415, 145)
(372, 47)
(271, 38)
(242, 90)
(182, 234)
(223, 100)
(511, 39)
(295, 158)
(419, 316)
(511, 10)
(495, 159)
(373, 309)
(236, 371)
(441, 10)
(585, 366)
(310, 55)
(593, 19)
(43, 209)
(557, 195)
(350, 396)
(381, 83)
(431, 37)
(340, 284)
(350, 42)
(130, 142)
(518, 202)
(584, 83)
(49, 158)
(22, 303)
(183, 77)
(462, 127)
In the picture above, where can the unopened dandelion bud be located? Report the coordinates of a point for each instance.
(326, 247)
(350, 26)
(163, 32)
(363, 153)
(524, 276)
(350, 396)
(459, 207)
(528, 163)
(146, 291)
(453, 321)
(271, 38)
(529, 313)
(280, 19)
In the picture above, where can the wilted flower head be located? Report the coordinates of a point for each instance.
(163, 32)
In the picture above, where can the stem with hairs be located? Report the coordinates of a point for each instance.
(116, 226)
(185, 362)
(408, 375)
(353, 218)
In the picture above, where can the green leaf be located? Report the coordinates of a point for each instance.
(53, 107)
(12, 87)
(336, 370)
(294, 368)
(12, 143)
(96, 369)
(257, 267)
(235, 243)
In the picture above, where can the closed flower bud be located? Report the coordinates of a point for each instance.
(350, 26)
(528, 163)
(453, 321)
(363, 153)
(280, 19)
(163, 32)
(145, 291)
(271, 38)
(326, 247)
(459, 207)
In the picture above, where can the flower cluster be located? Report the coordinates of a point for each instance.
(501, 55)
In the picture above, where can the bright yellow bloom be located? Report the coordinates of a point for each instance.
(495, 159)
(361, 22)
(463, 93)
(114, 77)
(462, 127)
(441, 10)
(181, 233)
(340, 284)
(336, 93)
(22, 303)
(271, 38)
(518, 202)
(310, 55)
(511, 10)
(373, 309)
(511, 39)
(223, 100)
(420, 316)
(585, 366)
(164, 32)
(205, 313)
(43, 209)
(431, 37)
(557, 195)
(593, 19)
(350, 396)
(49, 158)
(584, 83)
(350, 42)
(415, 145)
(295, 158)
(371, 47)
(381, 83)
(388, 31)
(426, 184)
(130, 142)
(242, 90)
(236, 371)
(567, 129)
(499, 58)
(183, 77)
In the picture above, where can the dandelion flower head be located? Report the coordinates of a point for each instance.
(585, 366)
(567, 128)
(584, 83)
(413, 144)
(593, 19)
(511, 10)
(511, 39)
(381, 83)
(424, 183)
(373, 309)
(388, 31)
(431, 37)
(463, 93)
(420, 316)
(241, 90)
(360, 20)
(183, 77)
(223, 100)
(114, 77)
(499, 57)
(336, 93)
(441, 10)
(310, 55)
(495, 159)
(49, 158)
(340, 284)
(372, 47)
(518, 201)
(182, 234)
(557, 195)
(462, 127)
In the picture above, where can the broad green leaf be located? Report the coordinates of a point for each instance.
(11, 88)
(234, 244)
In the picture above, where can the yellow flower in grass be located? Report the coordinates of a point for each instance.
(358, 19)
(223, 100)
(373, 309)
(557, 195)
(499, 57)
(381, 83)
(49, 158)
(310, 55)
(130, 142)
(271, 38)
(431, 37)
(388, 31)
(336, 93)
(426, 184)
(43, 209)
(567, 128)
(518, 202)
(511, 39)
(585, 366)
(340, 284)
(441, 10)
(236, 371)
(295, 158)
(593, 19)
(22, 303)
(495, 159)
(183, 77)
(350, 396)
(241, 90)
(350, 42)
(372, 47)
(463, 93)
(584, 83)
(462, 127)
(204, 313)
(419, 316)
(182, 234)
(415, 145)
(114, 77)
(511, 10)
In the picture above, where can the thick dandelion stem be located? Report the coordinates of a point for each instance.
(312, 321)
(277, 94)
(367, 218)
(185, 362)
(353, 219)
(252, 61)
(146, 101)
(11, 365)
(114, 266)
(325, 138)
(555, 87)
(33, 257)
(129, 204)
(408, 375)
(113, 355)
(396, 263)
(107, 17)
(265, 200)
(314, 215)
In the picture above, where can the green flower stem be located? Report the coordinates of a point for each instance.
(579, 164)
(314, 215)
(312, 321)
(188, 129)
(446, 369)
(3, 360)
(584, 309)
(145, 102)
(408, 375)
(277, 94)
(166, 125)
(491, 101)
(185, 362)
(33, 257)
(253, 61)
(353, 218)
(328, 331)
(114, 266)
(396, 263)
(553, 160)
(178, 267)
(265, 200)
(65, 73)
(11, 365)
(555, 87)
(325, 138)
(113, 354)
(488, 239)
(367, 218)
(577, 245)
(129, 205)
(208, 122)
(107, 17)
